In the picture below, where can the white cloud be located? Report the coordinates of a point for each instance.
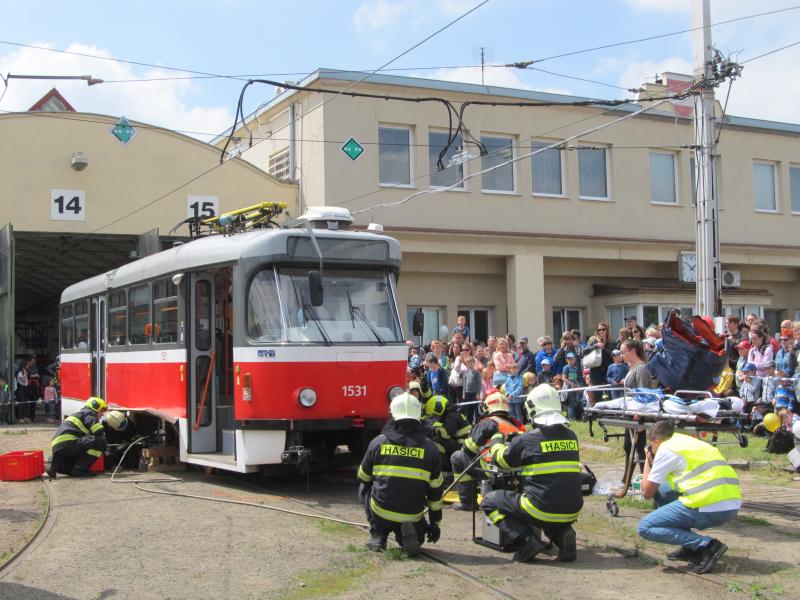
(661, 5)
(635, 74)
(374, 15)
(164, 103)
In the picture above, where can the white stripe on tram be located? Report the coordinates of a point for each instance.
(342, 354)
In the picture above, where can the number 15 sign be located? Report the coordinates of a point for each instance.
(67, 205)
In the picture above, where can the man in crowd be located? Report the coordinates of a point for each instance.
(400, 479)
(550, 467)
(526, 361)
(693, 487)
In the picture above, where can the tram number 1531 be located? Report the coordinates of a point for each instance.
(354, 391)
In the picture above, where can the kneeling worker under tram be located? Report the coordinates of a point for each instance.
(79, 441)
(400, 479)
(549, 464)
(693, 487)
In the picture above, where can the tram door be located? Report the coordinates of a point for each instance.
(97, 329)
(202, 372)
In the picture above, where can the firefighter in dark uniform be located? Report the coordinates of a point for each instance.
(549, 464)
(79, 441)
(400, 479)
(496, 420)
(447, 427)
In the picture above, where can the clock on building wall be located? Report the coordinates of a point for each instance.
(687, 267)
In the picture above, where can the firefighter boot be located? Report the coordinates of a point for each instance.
(377, 541)
(409, 538)
(467, 495)
(564, 538)
(529, 547)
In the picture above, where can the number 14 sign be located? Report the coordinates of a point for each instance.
(67, 205)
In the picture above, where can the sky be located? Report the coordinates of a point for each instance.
(286, 40)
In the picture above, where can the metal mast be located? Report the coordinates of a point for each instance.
(709, 289)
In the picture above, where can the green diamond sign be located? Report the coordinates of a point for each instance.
(123, 130)
(353, 149)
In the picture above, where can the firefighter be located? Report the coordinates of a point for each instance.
(447, 427)
(550, 467)
(79, 441)
(495, 421)
(400, 478)
(415, 389)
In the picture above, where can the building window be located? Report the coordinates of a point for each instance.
(278, 164)
(500, 150)
(433, 320)
(479, 322)
(593, 171)
(547, 170)
(565, 319)
(742, 310)
(448, 176)
(764, 186)
(662, 178)
(794, 185)
(394, 155)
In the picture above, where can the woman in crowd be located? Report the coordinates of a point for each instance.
(761, 351)
(502, 359)
(623, 334)
(460, 369)
(597, 374)
(638, 377)
(545, 351)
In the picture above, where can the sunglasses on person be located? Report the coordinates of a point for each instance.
(601, 329)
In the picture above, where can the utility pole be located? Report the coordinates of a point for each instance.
(483, 64)
(709, 289)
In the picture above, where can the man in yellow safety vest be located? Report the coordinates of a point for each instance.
(693, 487)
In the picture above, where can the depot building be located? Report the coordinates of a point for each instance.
(85, 193)
(597, 229)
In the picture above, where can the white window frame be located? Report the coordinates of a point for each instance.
(562, 160)
(606, 148)
(410, 131)
(465, 165)
(675, 187)
(471, 310)
(563, 310)
(776, 195)
(512, 139)
(791, 209)
(439, 310)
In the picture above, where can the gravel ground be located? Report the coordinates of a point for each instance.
(113, 540)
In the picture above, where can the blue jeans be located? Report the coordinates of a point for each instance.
(672, 521)
(515, 408)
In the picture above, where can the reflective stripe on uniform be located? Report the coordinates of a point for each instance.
(701, 469)
(495, 516)
(536, 513)
(464, 431)
(390, 515)
(96, 427)
(93, 452)
(559, 466)
(78, 423)
(437, 483)
(398, 471)
(440, 447)
(710, 484)
(470, 445)
(435, 505)
(497, 455)
(64, 437)
(362, 475)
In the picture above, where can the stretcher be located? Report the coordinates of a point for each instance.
(694, 412)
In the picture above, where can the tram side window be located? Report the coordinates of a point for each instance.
(139, 314)
(67, 327)
(82, 325)
(165, 312)
(117, 319)
(263, 309)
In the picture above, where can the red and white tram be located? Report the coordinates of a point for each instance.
(221, 339)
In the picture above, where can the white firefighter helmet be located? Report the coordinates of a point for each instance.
(495, 402)
(544, 406)
(116, 419)
(405, 406)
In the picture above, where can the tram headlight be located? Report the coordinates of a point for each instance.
(307, 397)
(395, 390)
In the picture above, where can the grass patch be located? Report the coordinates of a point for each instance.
(748, 520)
(334, 528)
(41, 496)
(357, 549)
(418, 572)
(636, 502)
(15, 432)
(393, 554)
(735, 587)
(328, 583)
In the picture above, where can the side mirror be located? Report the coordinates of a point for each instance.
(418, 324)
(315, 287)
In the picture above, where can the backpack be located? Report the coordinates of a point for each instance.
(780, 442)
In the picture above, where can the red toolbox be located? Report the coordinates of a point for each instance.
(21, 465)
(99, 465)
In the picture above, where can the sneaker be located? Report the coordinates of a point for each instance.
(567, 546)
(409, 540)
(687, 554)
(530, 547)
(710, 555)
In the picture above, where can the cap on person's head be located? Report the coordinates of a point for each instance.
(748, 367)
(570, 355)
(545, 361)
(744, 344)
(770, 364)
(523, 340)
(616, 353)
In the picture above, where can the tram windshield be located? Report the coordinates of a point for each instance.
(358, 306)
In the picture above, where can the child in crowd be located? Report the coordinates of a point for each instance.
(5, 402)
(570, 377)
(472, 389)
(436, 376)
(769, 382)
(750, 393)
(50, 400)
(785, 398)
(462, 327)
(616, 373)
(514, 393)
(545, 376)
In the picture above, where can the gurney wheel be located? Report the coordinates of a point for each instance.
(743, 441)
(612, 507)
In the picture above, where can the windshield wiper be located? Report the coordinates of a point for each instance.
(356, 311)
(313, 314)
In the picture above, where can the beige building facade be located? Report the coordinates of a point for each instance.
(591, 231)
